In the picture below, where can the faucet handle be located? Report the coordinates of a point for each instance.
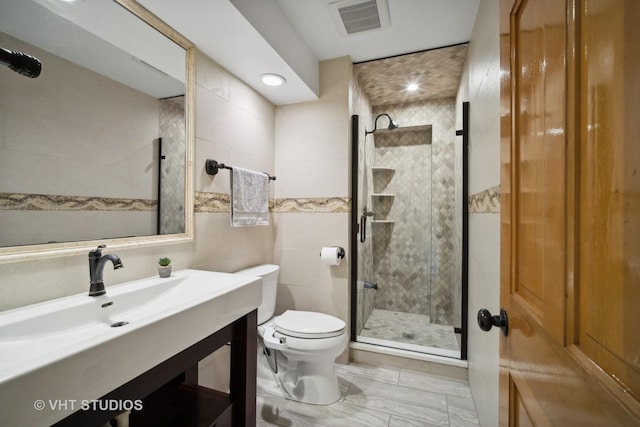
(97, 253)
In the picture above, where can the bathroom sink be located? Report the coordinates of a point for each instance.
(79, 314)
(81, 347)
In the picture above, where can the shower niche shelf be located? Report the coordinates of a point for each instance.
(381, 178)
(420, 128)
(377, 169)
(381, 203)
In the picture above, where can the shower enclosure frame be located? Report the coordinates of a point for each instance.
(354, 240)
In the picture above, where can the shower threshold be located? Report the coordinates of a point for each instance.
(454, 354)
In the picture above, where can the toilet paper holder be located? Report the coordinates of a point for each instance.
(341, 252)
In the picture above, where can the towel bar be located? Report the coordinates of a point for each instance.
(212, 167)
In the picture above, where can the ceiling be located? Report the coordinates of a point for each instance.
(435, 74)
(135, 55)
(290, 37)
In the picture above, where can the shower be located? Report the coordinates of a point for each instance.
(408, 218)
(408, 242)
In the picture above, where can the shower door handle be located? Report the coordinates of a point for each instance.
(363, 228)
(486, 321)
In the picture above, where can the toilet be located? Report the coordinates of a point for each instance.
(297, 349)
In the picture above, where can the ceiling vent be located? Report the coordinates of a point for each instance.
(357, 16)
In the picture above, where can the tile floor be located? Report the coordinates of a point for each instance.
(375, 396)
(409, 328)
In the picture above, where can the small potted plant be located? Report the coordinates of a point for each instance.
(164, 267)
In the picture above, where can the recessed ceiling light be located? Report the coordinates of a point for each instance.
(272, 79)
(411, 87)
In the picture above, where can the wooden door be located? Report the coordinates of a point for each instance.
(570, 222)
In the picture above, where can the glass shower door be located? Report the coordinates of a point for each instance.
(408, 281)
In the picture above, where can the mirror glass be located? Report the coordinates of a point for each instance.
(95, 147)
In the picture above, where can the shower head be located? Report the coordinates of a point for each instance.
(21, 63)
(392, 125)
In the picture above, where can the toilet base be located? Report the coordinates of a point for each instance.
(313, 382)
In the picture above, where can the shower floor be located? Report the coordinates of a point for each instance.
(409, 331)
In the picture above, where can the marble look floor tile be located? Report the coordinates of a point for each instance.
(270, 408)
(371, 397)
(344, 382)
(336, 415)
(434, 383)
(398, 400)
(274, 410)
(462, 412)
(378, 373)
(262, 423)
(396, 421)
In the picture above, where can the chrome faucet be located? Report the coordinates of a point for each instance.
(96, 267)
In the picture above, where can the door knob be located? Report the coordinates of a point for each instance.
(486, 321)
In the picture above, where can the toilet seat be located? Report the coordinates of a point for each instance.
(308, 324)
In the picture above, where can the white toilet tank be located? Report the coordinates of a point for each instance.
(269, 275)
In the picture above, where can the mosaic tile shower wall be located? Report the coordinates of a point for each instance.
(440, 115)
(402, 194)
(172, 131)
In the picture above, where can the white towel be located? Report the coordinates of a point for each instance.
(249, 198)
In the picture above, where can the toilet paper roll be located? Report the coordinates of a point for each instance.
(331, 255)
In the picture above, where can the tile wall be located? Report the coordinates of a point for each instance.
(416, 272)
(312, 164)
(173, 134)
(402, 248)
(234, 125)
(480, 86)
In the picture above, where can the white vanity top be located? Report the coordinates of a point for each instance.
(59, 353)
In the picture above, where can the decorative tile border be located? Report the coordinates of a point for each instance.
(313, 205)
(487, 201)
(220, 202)
(204, 202)
(46, 202)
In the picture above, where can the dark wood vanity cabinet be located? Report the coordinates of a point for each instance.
(169, 392)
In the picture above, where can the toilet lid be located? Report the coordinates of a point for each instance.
(308, 324)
